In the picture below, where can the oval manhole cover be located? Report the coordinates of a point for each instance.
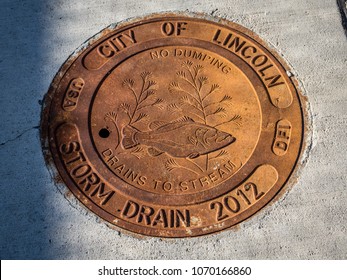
(174, 126)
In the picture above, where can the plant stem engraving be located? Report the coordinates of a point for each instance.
(134, 112)
(147, 90)
(196, 101)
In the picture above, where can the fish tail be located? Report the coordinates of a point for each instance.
(129, 140)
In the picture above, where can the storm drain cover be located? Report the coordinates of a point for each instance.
(173, 126)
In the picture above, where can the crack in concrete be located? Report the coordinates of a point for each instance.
(214, 12)
(342, 4)
(19, 135)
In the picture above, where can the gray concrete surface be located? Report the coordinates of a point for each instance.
(38, 222)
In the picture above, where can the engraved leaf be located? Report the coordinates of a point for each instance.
(171, 164)
(145, 75)
(226, 98)
(215, 87)
(111, 116)
(129, 83)
(151, 83)
(138, 152)
(181, 74)
(220, 111)
(158, 103)
(141, 116)
(173, 107)
(187, 64)
(149, 93)
(236, 119)
(186, 100)
(198, 68)
(125, 107)
(174, 87)
(203, 80)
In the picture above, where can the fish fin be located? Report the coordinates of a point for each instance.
(154, 152)
(193, 155)
(183, 119)
(156, 124)
(163, 127)
(129, 137)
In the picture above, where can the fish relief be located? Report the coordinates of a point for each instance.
(183, 138)
(191, 136)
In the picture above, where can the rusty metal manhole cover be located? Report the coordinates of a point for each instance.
(174, 126)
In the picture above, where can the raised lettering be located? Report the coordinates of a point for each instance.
(274, 81)
(72, 94)
(282, 137)
(102, 53)
(169, 28)
(100, 192)
(219, 207)
(78, 167)
(161, 217)
(280, 97)
(262, 179)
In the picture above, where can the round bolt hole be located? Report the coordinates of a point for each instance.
(104, 133)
